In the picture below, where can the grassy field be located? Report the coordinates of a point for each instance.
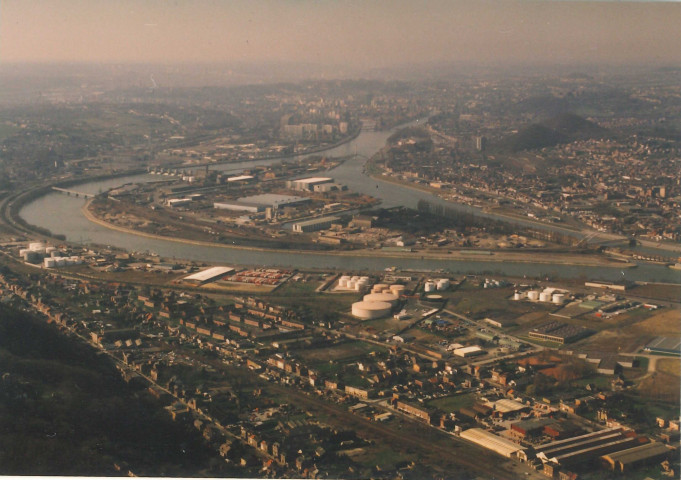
(453, 403)
(614, 341)
(661, 386)
(671, 366)
(666, 322)
(661, 292)
(423, 336)
(303, 294)
(238, 287)
(345, 352)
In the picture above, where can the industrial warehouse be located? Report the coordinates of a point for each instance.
(559, 332)
(208, 276)
(503, 447)
(308, 184)
(314, 225)
(258, 203)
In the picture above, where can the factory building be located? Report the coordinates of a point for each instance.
(241, 179)
(559, 332)
(362, 221)
(503, 447)
(314, 225)
(258, 203)
(178, 202)
(584, 448)
(238, 207)
(308, 184)
(208, 276)
(467, 352)
(626, 460)
(665, 345)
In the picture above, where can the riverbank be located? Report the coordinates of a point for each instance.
(506, 216)
(464, 255)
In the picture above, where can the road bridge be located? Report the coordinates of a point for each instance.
(73, 192)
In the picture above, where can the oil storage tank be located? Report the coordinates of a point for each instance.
(370, 310)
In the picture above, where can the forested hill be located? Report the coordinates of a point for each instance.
(564, 128)
(64, 410)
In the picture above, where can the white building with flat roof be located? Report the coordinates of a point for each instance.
(307, 183)
(468, 351)
(208, 275)
(503, 447)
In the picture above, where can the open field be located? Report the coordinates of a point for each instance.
(389, 324)
(671, 366)
(671, 293)
(614, 341)
(666, 322)
(239, 287)
(661, 386)
(422, 336)
(342, 352)
(453, 403)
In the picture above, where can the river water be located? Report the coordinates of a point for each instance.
(61, 214)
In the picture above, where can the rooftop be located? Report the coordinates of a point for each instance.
(641, 452)
(208, 274)
(271, 199)
(491, 441)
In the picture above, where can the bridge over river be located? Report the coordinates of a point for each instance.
(73, 192)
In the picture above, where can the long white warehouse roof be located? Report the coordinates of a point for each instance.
(206, 275)
(492, 442)
(314, 180)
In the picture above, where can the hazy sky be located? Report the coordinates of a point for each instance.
(368, 33)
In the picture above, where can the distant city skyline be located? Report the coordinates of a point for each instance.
(350, 34)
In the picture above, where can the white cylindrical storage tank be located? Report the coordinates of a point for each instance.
(558, 298)
(343, 282)
(49, 262)
(443, 284)
(361, 283)
(533, 295)
(35, 246)
(544, 297)
(397, 289)
(517, 296)
(429, 287)
(388, 298)
(352, 283)
(370, 310)
(379, 287)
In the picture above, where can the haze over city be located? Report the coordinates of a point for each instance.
(350, 35)
(325, 239)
